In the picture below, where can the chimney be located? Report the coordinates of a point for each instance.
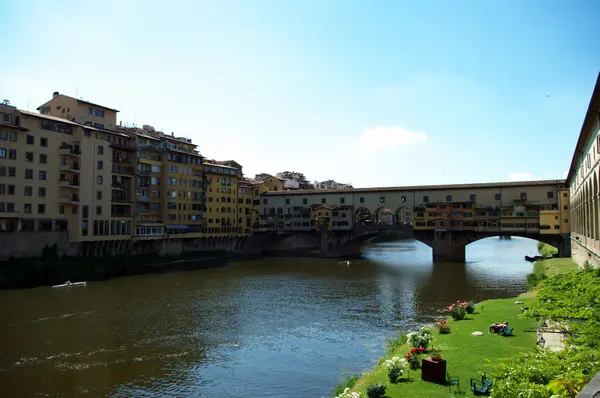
(54, 94)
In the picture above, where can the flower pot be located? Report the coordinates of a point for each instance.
(436, 357)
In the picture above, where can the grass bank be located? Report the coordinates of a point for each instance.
(552, 266)
(466, 355)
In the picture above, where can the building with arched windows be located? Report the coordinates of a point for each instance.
(583, 181)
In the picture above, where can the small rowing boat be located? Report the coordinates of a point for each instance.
(71, 284)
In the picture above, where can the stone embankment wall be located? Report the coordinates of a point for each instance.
(30, 244)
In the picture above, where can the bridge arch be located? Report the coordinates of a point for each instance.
(362, 216)
(403, 215)
(383, 215)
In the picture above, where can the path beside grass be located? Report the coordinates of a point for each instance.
(466, 355)
(552, 266)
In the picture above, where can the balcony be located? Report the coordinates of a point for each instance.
(120, 198)
(69, 150)
(123, 146)
(141, 198)
(151, 147)
(120, 159)
(122, 170)
(69, 199)
(68, 183)
(74, 167)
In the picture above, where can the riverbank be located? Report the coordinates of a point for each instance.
(467, 355)
(50, 269)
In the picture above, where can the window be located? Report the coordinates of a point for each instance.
(99, 113)
(28, 191)
(98, 210)
(30, 140)
(84, 228)
(448, 198)
(473, 197)
(265, 201)
(588, 161)
(27, 208)
(98, 195)
(287, 201)
(2, 153)
(523, 195)
(43, 158)
(99, 125)
(498, 196)
(361, 199)
(41, 208)
(85, 211)
(44, 142)
(425, 199)
(61, 209)
(12, 154)
(2, 189)
(41, 192)
(304, 201)
(99, 180)
(6, 117)
(10, 189)
(100, 150)
(100, 165)
(29, 156)
(403, 199)
(28, 174)
(566, 194)
(566, 207)
(550, 195)
(90, 111)
(382, 199)
(323, 201)
(42, 174)
(342, 201)
(12, 171)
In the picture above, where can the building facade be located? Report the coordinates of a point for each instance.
(583, 181)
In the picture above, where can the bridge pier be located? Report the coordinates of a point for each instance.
(564, 247)
(448, 247)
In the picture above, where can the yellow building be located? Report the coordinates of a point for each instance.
(221, 199)
(556, 221)
(249, 203)
(275, 184)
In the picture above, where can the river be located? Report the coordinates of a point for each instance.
(274, 327)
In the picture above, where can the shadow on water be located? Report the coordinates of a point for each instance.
(256, 328)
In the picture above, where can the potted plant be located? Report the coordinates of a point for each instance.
(442, 326)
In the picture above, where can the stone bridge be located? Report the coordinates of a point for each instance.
(449, 246)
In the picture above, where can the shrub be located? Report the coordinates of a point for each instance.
(458, 310)
(347, 394)
(443, 326)
(470, 307)
(422, 338)
(376, 390)
(395, 368)
(414, 357)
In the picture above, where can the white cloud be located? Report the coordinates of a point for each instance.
(381, 137)
(521, 176)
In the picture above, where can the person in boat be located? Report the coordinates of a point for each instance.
(498, 327)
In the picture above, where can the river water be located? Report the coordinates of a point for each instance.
(269, 328)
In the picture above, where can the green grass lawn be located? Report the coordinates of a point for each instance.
(466, 355)
(554, 266)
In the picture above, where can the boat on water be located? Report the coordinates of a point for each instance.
(533, 259)
(71, 284)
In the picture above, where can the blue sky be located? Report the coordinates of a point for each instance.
(377, 93)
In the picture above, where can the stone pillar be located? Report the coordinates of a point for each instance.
(564, 248)
(449, 247)
(324, 239)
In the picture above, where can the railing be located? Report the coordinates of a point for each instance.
(119, 198)
(120, 159)
(73, 183)
(70, 198)
(122, 170)
(126, 146)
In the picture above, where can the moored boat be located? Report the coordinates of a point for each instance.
(71, 284)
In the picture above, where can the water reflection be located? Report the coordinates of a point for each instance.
(274, 327)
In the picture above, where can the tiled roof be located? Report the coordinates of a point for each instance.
(419, 188)
(56, 119)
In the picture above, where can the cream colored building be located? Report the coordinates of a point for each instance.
(583, 181)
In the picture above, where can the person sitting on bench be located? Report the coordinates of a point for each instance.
(498, 327)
